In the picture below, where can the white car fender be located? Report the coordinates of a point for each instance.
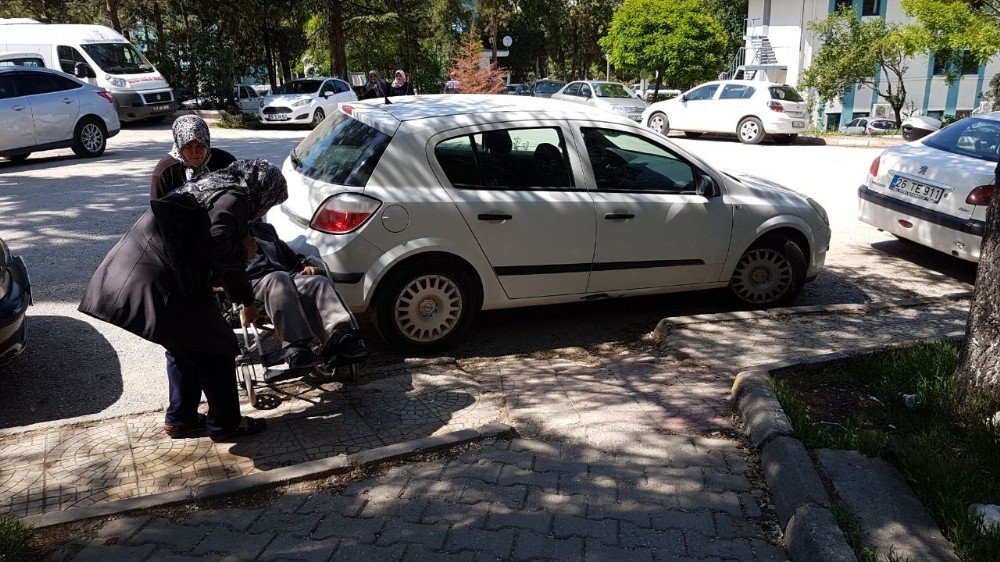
(492, 291)
(770, 225)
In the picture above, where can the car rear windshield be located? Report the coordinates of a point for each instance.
(548, 87)
(975, 137)
(298, 87)
(341, 150)
(784, 93)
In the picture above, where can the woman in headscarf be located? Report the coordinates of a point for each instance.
(401, 86)
(191, 156)
(157, 283)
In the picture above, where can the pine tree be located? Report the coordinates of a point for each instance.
(473, 78)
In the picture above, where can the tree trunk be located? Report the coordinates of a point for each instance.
(980, 365)
(161, 43)
(269, 54)
(335, 21)
(113, 14)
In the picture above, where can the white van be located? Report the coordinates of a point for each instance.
(98, 55)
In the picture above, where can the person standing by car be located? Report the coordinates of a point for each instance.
(191, 156)
(452, 86)
(401, 86)
(157, 283)
(375, 87)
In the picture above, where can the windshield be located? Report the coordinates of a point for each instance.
(118, 58)
(548, 87)
(605, 90)
(978, 138)
(341, 150)
(299, 87)
(786, 93)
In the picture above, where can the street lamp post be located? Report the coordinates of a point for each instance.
(607, 59)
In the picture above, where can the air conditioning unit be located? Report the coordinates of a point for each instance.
(882, 111)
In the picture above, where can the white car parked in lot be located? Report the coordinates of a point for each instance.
(434, 207)
(750, 109)
(44, 109)
(305, 101)
(609, 96)
(935, 191)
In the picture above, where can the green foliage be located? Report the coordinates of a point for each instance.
(947, 449)
(954, 28)
(14, 539)
(679, 38)
(731, 14)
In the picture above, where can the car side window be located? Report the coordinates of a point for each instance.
(854, 123)
(68, 57)
(532, 158)
(37, 83)
(703, 93)
(327, 87)
(736, 92)
(572, 89)
(8, 86)
(340, 87)
(585, 91)
(626, 162)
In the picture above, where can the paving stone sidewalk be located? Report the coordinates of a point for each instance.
(622, 454)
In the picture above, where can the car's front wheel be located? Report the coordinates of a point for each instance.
(771, 273)
(425, 307)
(318, 118)
(750, 130)
(90, 138)
(659, 123)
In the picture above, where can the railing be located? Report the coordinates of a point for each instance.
(752, 27)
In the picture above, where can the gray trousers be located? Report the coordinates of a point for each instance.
(302, 307)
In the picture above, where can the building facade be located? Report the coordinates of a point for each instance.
(780, 45)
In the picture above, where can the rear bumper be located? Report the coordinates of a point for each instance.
(12, 313)
(785, 125)
(953, 235)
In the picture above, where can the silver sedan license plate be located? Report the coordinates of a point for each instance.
(915, 189)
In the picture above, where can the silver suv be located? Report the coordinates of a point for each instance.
(44, 109)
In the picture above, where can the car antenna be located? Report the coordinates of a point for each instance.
(387, 102)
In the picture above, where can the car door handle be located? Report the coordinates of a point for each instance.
(67, 100)
(618, 216)
(494, 217)
(18, 108)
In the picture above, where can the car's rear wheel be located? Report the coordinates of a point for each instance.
(659, 123)
(750, 130)
(693, 134)
(90, 138)
(771, 273)
(19, 157)
(424, 307)
(318, 118)
(784, 139)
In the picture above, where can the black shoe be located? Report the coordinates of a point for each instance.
(302, 358)
(345, 348)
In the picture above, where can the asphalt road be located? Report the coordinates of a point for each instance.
(62, 214)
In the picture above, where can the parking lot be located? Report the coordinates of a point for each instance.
(63, 214)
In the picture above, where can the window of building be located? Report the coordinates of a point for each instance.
(962, 62)
(832, 121)
(840, 4)
(871, 8)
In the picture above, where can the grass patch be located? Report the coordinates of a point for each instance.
(14, 539)
(948, 448)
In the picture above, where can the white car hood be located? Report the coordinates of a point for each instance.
(623, 102)
(286, 98)
(764, 188)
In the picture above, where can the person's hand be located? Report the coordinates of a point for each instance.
(250, 245)
(249, 314)
(311, 270)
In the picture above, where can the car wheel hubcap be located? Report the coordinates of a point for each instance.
(656, 122)
(428, 308)
(91, 137)
(749, 130)
(762, 276)
(318, 117)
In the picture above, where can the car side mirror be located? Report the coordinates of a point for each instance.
(81, 70)
(684, 97)
(706, 186)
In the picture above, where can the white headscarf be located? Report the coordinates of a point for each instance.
(398, 82)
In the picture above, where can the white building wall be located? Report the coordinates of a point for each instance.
(787, 29)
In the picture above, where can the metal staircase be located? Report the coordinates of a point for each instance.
(764, 57)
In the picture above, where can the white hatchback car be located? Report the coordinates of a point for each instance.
(434, 207)
(935, 191)
(750, 109)
(44, 109)
(305, 101)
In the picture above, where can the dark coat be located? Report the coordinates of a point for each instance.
(169, 173)
(141, 287)
(405, 90)
(272, 253)
(377, 90)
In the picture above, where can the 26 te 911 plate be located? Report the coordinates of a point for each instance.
(915, 189)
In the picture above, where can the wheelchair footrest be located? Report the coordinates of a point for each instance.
(274, 358)
(277, 375)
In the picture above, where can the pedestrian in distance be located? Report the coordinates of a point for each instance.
(191, 156)
(401, 86)
(156, 282)
(452, 86)
(375, 87)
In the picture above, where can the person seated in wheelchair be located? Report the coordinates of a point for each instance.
(314, 324)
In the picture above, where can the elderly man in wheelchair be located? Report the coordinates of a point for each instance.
(313, 322)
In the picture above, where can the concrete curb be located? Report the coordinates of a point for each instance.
(285, 475)
(666, 325)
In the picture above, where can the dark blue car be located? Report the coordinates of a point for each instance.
(15, 296)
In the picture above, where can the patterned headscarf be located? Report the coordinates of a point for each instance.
(189, 128)
(258, 180)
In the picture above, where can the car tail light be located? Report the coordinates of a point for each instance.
(344, 212)
(348, 109)
(106, 96)
(982, 195)
(873, 170)
(776, 106)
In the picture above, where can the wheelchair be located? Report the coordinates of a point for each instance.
(261, 362)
